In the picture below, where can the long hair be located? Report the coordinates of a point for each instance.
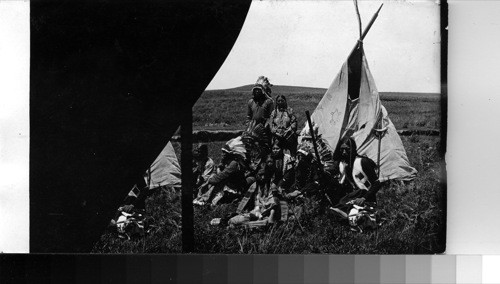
(276, 102)
(349, 141)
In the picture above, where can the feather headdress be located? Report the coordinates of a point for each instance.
(263, 84)
(235, 146)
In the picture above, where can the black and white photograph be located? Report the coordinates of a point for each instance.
(231, 127)
(320, 133)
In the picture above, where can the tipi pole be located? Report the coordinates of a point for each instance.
(378, 154)
(374, 17)
(359, 19)
(315, 146)
(379, 132)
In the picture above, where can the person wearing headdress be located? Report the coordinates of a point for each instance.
(283, 124)
(327, 160)
(313, 177)
(261, 105)
(230, 182)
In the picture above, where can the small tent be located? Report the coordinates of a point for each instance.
(351, 107)
(164, 171)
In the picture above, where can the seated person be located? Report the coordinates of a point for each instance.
(330, 166)
(230, 182)
(295, 182)
(282, 163)
(203, 169)
(256, 155)
(313, 178)
(262, 199)
(358, 177)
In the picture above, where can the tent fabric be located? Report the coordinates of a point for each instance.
(165, 170)
(337, 117)
(328, 116)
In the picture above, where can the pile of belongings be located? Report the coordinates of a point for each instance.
(361, 217)
(131, 222)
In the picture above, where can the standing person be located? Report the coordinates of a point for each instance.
(283, 124)
(259, 107)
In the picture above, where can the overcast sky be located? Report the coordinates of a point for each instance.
(304, 43)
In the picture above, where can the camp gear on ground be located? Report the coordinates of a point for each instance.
(363, 217)
(131, 222)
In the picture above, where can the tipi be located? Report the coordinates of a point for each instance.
(165, 170)
(351, 107)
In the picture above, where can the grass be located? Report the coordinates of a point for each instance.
(414, 212)
(226, 109)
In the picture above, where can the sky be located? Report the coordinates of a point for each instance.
(304, 43)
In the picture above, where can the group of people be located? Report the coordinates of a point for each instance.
(270, 164)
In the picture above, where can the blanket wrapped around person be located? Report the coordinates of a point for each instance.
(359, 181)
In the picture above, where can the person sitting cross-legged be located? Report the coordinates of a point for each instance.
(264, 201)
(228, 184)
(359, 180)
(204, 168)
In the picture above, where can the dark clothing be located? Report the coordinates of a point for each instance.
(362, 175)
(259, 111)
(233, 176)
(360, 182)
(330, 166)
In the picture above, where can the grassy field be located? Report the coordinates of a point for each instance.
(226, 109)
(414, 212)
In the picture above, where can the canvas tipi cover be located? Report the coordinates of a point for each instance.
(165, 170)
(339, 115)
